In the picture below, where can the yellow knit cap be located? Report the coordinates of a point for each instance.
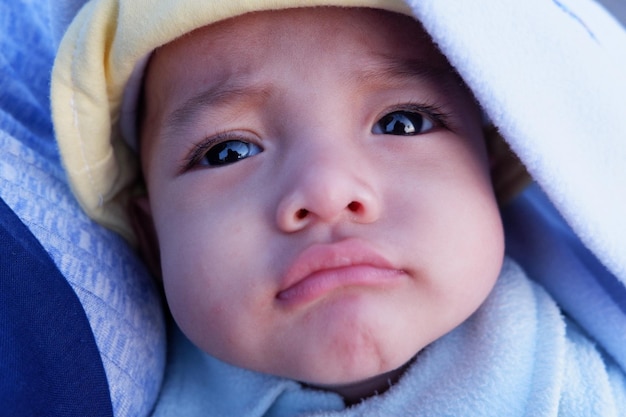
(105, 46)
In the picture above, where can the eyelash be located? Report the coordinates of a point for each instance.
(433, 112)
(200, 149)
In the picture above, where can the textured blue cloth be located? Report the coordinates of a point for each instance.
(49, 360)
(117, 294)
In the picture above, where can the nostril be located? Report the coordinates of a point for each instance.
(301, 214)
(355, 207)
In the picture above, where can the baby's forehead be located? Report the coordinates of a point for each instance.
(237, 66)
(368, 43)
(379, 30)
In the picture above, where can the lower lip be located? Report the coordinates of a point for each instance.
(323, 282)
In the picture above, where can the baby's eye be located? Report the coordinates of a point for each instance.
(228, 152)
(403, 123)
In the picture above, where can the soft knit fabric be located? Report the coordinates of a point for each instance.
(473, 371)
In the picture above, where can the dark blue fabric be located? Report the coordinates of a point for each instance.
(49, 361)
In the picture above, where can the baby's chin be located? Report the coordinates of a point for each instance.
(357, 342)
(361, 373)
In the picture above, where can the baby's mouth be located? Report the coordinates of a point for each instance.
(324, 268)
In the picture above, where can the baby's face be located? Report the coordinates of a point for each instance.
(320, 191)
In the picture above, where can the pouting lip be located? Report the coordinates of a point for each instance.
(326, 257)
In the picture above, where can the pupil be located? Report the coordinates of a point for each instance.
(230, 152)
(399, 124)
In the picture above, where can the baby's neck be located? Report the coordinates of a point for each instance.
(356, 392)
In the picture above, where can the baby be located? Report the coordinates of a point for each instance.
(319, 205)
(321, 198)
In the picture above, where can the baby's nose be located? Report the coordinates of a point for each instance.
(328, 188)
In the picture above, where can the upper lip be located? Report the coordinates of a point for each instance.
(320, 257)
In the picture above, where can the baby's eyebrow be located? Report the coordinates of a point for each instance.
(240, 91)
(219, 94)
(395, 68)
